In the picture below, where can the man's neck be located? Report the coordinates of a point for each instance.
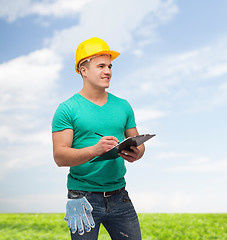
(98, 97)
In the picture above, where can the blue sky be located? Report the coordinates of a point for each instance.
(172, 69)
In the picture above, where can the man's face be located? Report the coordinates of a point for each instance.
(98, 73)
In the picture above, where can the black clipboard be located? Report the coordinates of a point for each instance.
(124, 145)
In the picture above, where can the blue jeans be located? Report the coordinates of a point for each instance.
(117, 215)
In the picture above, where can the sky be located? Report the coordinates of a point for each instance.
(172, 70)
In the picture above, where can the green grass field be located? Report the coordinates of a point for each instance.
(153, 226)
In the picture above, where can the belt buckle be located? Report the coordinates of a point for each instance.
(105, 194)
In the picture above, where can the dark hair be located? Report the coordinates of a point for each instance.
(84, 64)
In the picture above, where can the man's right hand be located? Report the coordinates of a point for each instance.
(105, 144)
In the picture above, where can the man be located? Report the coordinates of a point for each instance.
(96, 190)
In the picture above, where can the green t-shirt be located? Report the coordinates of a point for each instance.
(85, 118)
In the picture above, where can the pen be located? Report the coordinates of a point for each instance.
(99, 134)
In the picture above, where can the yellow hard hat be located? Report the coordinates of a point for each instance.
(91, 47)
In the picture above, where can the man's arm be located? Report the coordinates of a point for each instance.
(137, 151)
(65, 155)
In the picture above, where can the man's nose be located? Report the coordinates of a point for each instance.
(107, 70)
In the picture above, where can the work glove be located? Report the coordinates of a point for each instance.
(78, 215)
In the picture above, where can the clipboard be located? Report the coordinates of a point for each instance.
(124, 145)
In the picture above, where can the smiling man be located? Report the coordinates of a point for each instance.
(96, 191)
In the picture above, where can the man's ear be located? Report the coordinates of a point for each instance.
(83, 71)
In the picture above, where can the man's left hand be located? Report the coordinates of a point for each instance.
(130, 156)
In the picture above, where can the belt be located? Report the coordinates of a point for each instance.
(111, 193)
(105, 194)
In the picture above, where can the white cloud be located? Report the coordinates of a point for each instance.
(201, 164)
(12, 10)
(146, 114)
(160, 202)
(172, 155)
(58, 8)
(50, 203)
(178, 202)
(117, 26)
(220, 96)
(182, 74)
(27, 80)
(25, 148)
(25, 156)
(190, 162)
(27, 88)
(122, 10)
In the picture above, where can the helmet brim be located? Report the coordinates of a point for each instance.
(113, 55)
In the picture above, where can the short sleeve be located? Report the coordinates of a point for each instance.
(131, 118)
(62, 118)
